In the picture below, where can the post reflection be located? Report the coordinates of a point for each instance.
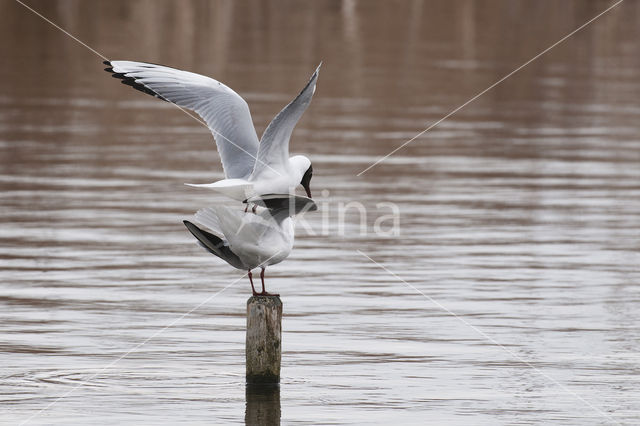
(263, 405)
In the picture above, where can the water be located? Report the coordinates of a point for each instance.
(515, 298)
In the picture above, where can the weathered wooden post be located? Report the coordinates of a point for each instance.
(264, 336)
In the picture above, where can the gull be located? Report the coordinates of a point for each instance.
(248, 241)
(251, 167)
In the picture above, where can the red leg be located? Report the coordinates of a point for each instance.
(264, 293)
(246, 208)
(251, 281)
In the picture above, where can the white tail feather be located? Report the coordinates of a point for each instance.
(238, 189)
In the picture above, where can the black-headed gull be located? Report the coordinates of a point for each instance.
(250, 240)
(252, 168)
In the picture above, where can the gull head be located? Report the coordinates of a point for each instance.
(303, 170)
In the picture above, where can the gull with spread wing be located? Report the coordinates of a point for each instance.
(252, 168)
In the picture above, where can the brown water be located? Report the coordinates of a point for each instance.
(520, 214)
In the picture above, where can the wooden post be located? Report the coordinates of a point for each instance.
(264, 334)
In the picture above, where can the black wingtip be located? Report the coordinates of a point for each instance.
(131, 81)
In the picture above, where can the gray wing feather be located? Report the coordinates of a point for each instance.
(224, 111)
(214, 245)
(273, 152)
(208, 217)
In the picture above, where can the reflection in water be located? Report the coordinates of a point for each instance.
(263, 405)
(520, 213)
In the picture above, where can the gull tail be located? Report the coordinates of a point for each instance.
(237, 189)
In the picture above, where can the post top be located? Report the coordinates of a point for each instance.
(265, 300)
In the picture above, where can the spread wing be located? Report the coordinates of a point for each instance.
(224, 111)
(214, 245)
(273, 153)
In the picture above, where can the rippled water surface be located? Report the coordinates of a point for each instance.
(511, 295)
